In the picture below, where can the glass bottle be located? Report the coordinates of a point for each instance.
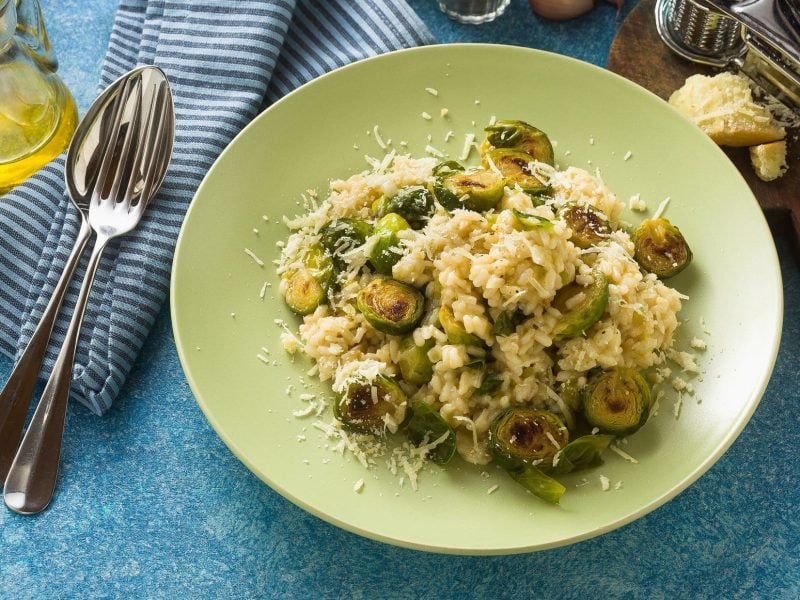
(37, 112)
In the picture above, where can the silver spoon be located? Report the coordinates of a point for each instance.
(89, 143)
(138, 120)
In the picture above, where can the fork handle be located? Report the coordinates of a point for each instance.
(16, 394)
(32, 477)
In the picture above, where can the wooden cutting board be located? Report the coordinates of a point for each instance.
(637, 53)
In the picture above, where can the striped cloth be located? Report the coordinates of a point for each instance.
(225, 61)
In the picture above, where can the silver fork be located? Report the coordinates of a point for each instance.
(127, 179)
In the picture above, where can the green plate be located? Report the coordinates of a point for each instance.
(322, 131)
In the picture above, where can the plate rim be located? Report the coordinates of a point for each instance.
(730, 437)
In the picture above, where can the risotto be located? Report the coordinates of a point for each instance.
(513, 309)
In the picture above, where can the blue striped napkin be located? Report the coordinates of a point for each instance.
(225, 61)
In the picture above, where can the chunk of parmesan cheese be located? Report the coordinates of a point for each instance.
(723, 107)
(769, 160)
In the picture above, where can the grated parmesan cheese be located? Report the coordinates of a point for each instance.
(469, 140)
(426, 116)
(698, 344)
(432, 91)
(255, 258)
(358, 486)
(636, 203)
(604, 483)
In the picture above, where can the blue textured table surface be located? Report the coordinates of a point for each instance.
(152, 504)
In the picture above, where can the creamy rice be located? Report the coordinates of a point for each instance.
(481, 265)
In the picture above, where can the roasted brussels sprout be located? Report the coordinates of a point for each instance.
(516, 168)
(415, 366)
(477, 189)
(372, 406)
(527, 435)
(456, 334)
(617, 401)
(661, 248)
(520, 136)
(414, 204)
(582, 453)
(305, 288)
(301, 291)
(391, 306)
(342, 235)
(524, 442)
(577, 318)
(427, 425)
(386, 251)
(528, 222)
(588, 226)
(448, 166)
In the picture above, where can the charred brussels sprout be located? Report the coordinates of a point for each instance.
(305, 288)
(448, 166)
(519, 135)
(427, 425)
(301, 291)
(524, 442)
(477, 189)
(661, 248)
(577, 317)
(617, 401)
(386, 251)
(588, 226)
(391, 306)
(527, 435)
(342, 235)
(372, 405)
(414, 204)
(516, 168)
(415, 366)
(456, 333)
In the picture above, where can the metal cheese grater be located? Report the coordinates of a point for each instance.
(760, 38)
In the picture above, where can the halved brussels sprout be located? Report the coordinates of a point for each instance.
(582, 453)
(372, 406)
(302, 292)
(617, 401)
(386, 251)
(448, 166)
(427, 425)
(577, 319)
(520, 135)
(456, 334)
(415, 366)
(391, 306)
(661, 248)
(527, 435)
(414, 204)
(529, 222)
(305, 288)
(342, 235)
(588, 226)
(516, 168)
(524, 442)
(477, 189)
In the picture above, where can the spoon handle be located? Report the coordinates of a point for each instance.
(32, 477)
(16, 394)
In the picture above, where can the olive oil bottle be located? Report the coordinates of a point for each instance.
(37, 112)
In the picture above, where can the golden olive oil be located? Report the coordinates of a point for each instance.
(37, 119)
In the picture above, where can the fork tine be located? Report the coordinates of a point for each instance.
(120, 103)
(141, 164)
(124, 164)
(156, 146)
